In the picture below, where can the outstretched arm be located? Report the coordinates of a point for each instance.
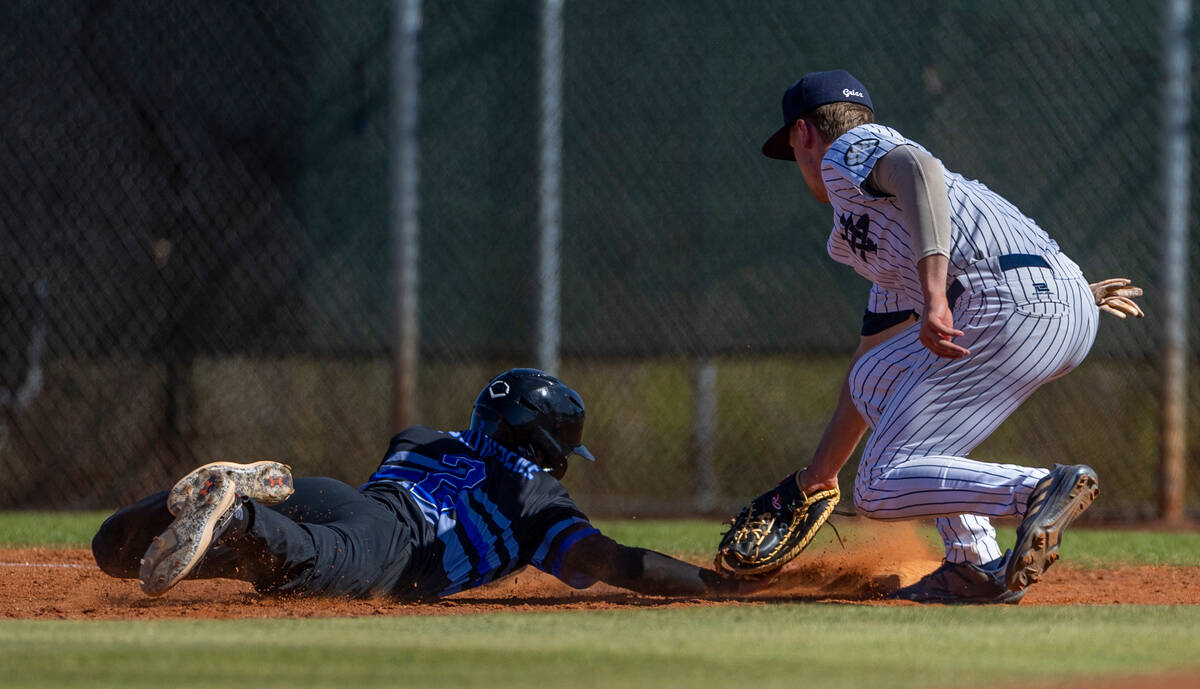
(641, 570)
(777, 525)
(847, 426)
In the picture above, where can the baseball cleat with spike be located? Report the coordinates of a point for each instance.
(1059, 498)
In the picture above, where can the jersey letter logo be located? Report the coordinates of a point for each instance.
(856, 235)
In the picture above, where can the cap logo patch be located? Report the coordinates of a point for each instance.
(851, 92)
(498, 389)
(860, 152)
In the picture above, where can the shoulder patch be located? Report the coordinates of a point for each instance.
(860, 151)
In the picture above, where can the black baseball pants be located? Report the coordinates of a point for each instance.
(326, 539)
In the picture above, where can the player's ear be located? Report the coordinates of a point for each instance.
(809, 136)
(796, 134)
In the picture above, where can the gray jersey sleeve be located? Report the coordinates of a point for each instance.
(917, 181)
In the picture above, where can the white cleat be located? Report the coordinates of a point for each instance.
(204, 503)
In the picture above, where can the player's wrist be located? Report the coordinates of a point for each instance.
(934, 300)
(811, 482)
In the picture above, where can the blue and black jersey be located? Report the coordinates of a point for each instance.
(487, 511)
(444, 512)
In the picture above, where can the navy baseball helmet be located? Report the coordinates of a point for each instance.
(809, 93)
(533, 414)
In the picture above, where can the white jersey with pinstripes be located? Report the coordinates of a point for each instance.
(869, 232)
(1027, 316)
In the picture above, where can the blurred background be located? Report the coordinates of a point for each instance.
(203, 224)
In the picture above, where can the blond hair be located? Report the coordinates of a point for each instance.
(834, 119)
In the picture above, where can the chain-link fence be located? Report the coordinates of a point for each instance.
(194, 225)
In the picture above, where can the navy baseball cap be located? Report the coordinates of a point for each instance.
(810, 92)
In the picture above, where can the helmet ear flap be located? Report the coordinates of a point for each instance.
(487, 421)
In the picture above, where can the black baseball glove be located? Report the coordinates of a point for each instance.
(774, 529)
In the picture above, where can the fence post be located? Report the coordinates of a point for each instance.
(704, 428)
(1177, 68)
(403, 163)
(550, 188)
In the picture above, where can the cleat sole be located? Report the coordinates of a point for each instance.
(1052, 510)
(177, 551)
(267, 482)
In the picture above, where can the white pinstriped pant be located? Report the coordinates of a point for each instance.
(1025, 327)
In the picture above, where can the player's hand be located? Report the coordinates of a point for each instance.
(1115, 295)
(749, 585)
(938, 331)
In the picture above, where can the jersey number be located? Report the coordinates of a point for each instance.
(440, 488)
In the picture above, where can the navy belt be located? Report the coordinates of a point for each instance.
(1007, 262)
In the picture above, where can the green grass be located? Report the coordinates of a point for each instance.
(761, 645)
(1098, 548)
(35, 528)
(790, 645)
(694, 538)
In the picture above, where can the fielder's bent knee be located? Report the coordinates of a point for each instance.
(866, 509)
(868, 499)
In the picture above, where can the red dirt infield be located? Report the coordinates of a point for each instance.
(64, 583)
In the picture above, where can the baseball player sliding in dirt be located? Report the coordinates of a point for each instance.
(443, 512)
(972, 307)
